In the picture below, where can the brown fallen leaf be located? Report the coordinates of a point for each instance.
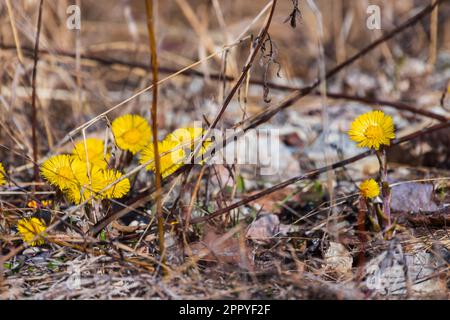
(222, 249)
(263, 229)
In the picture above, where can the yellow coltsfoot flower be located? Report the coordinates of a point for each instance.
(372, 129)
(117, 190)
(32, 231)
(32, 204)
(171, 157)
(62, 171)
(2, 174)
(93, 151)
(190, 138)
(43, 203)
(88, 186)
(369, 189)
(131, 132)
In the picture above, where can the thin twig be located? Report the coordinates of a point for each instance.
(154, 115)
(33, 96)
(248, 65)
(433, 35)
(193, 197)
(78, 69)
(394, 104)
(14, 30)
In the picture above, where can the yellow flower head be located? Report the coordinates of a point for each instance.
(34, 204)
(2, 174)
(62, 170)
(117, 190)
(47, 203)
(87, 186)
(92, 150)
(369, 189)
(32, 231)
(191, 138)
(372, 129)
(171, 156)
(131, 132)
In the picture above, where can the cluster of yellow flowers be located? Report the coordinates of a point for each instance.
(174, 149)
(84, 174)
(132, 133)
(372, 130)
(43, 203)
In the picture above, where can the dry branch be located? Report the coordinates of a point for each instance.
(33, 97)
(154, 115)
(314, 173)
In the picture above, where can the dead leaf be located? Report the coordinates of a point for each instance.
(338, 258)
(263, 229)
(386, 274)
(413, 197)
(223, 249)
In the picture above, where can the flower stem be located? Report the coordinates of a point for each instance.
(362, 213)
(385, 188)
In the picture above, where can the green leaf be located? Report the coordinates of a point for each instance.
(103, 235)
(240, 184)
